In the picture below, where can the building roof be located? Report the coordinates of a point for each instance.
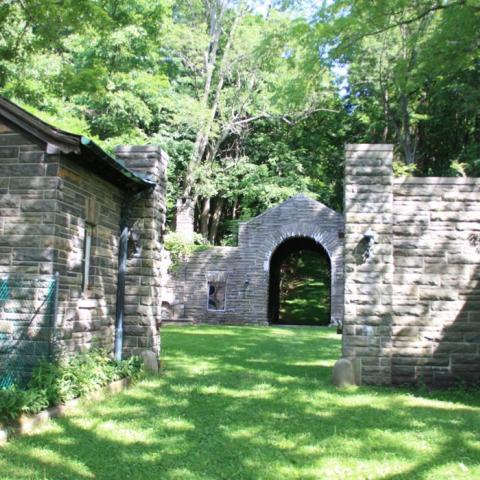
(87, 152)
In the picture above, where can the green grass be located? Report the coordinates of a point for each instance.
(306, 303)
(254, 403)
(305, 296)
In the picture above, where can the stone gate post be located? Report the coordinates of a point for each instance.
(143, 280)
(368, 260)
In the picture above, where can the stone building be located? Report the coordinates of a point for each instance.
(66, 210)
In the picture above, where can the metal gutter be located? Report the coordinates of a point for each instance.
(141, 181)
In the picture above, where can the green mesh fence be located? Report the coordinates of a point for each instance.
(27, 325)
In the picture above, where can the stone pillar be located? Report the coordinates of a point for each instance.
(143, 283)
(184, 218)
(368, 266)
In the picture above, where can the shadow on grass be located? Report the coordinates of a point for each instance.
(253, 403)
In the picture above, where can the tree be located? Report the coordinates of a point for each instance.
(388, 48)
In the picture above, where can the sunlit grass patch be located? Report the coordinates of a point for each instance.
(254, 403)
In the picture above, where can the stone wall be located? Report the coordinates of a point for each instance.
(184, 216)
(43, 217)
(412, 305)
(436, 296)
(28, 185)
(247, 267)
(86, 318)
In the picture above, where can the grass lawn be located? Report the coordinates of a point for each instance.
(307, 303)
(254, 403)
(305, 292)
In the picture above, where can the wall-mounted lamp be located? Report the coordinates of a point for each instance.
(247, 282)
(369, 238)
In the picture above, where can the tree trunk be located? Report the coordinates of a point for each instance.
(406, 140)
(203, 136)
(205, 217)
(386, 115)
(235, 208)
(216, 216)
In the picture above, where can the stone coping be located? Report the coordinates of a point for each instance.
(436, 181)
(26, 424)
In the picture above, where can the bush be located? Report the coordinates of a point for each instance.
(180, 249)
(55, 383)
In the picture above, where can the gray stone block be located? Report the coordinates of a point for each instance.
(150, 361)
(343, 374)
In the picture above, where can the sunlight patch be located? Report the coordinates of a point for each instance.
(244, 433)
(121, 434)
(66, 464)
(177, 424)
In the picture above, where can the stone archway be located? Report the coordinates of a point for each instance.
(297, 217)
(242, 273)
(332, 243)
(297, 248)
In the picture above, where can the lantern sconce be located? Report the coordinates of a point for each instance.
(369, 239)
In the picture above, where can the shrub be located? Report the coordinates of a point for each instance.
(55, 383)
(180, 249)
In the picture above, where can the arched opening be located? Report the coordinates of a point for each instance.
(300, 283)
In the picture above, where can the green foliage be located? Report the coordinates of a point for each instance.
(56, 383)
(180, 249)
(287, 90)
(400, 169)
(305, 289)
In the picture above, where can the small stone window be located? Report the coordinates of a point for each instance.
(217, 289)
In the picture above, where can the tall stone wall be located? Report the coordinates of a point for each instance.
(436, 301)
(412, 305)
(184, 217)
(368, 278)
(45, 205)
(28, 185)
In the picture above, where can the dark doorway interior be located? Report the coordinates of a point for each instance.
(300, 279)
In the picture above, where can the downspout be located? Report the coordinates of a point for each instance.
(122, 270)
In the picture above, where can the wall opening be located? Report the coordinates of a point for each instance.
(300, 284)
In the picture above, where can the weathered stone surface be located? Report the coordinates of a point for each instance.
(150, 361)
(145, 267)
(45, 202)
(343, 373)
(429, 330)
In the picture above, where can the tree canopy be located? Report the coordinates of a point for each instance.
(253, 100)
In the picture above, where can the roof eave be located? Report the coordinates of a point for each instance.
(70, 143)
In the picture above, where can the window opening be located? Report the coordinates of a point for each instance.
(86, 259)
(217, 288)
